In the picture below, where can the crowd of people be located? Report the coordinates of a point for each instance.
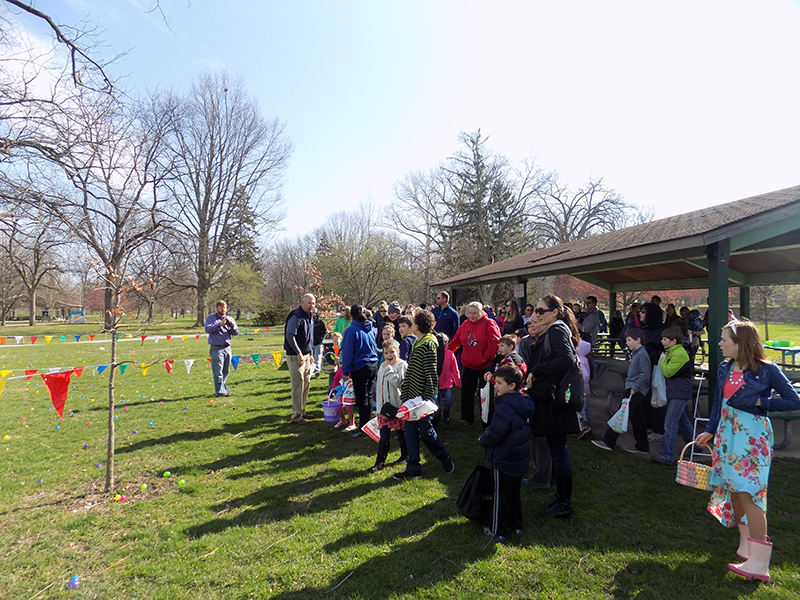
(394, 355)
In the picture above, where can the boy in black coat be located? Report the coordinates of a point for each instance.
(507, 451)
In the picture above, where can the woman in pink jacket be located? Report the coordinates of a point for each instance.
(478, 337)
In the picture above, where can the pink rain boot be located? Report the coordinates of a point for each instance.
(757, 566)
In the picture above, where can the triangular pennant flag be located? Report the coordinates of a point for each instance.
(169, 337)
(208, 359)
(58, 384)
(256, 330)
(129, 336)
(34, 338)
(197, 337)
(18, 338)
(156, 338)
(184, 337)
(188, 362)
(62, 338)
(145, 368)
(101, 368)
(2, 385)
(47, 339)
(256, 358)
(91, 337)
(168, 365)
(78, 337)
(266, 328)
(277, 356)
(123, 367)
(54, 369)
(30, 373)
(78, 372)
(235, 362)
(143, 338)
(5, 373)
(2, 340)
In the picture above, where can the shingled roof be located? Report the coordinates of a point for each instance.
(765, 242)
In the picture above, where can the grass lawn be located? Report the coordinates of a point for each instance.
(270, 510)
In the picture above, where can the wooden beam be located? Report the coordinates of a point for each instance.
(764, 232)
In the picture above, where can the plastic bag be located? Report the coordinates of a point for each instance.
(485, 396)
(619, 422)
(658, 385)
(372, 429)
(416, 409)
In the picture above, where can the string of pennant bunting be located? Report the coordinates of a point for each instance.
(57, 380)
(20, 339)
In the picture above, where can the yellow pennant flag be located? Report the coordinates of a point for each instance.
(277, 356)
(47, 339)
(184, 337)
(2, 385)
(145, 367)
(255, 330)
(5, 373)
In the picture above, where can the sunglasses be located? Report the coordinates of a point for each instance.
(541, 311)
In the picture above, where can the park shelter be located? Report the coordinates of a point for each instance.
(749, 242)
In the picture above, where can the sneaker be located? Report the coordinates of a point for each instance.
(340, 424)
(307, 416)
(517, 532)
(662, 460)
(584, 432)
(535, 486)
(405, 475)
(602, 445)
(655, 437)
(299, 422)
(378, 466)
(635, 450)
(223, 395)
(358, 434)
(496, 538)
(449, 465)
(560, 510)
(350, 428)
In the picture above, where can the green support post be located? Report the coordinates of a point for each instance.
(718, 268)
(744, 302)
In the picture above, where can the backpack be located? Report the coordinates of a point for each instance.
(696, 322)
(568, 392)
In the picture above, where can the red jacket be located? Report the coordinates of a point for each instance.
(479, 341)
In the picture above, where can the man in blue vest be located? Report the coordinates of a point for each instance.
(220, 327)
(298, 343)
(446, 316)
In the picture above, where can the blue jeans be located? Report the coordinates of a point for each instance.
(445, 398)
(677, 419)
(220, 366)
(557, 444)
(414, 430)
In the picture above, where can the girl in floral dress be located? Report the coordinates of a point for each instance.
(742, 435)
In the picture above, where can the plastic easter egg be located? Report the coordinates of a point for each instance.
(58, 426)
(151, 424)
(135, 432)
(167, 473)
(86, 446)
(98, 466)
(5, 437)
(181, 482)
(74, 582)
(117, 498)
(144, 486)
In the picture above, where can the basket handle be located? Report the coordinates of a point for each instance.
(686, 447)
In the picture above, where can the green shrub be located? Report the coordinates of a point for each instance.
(271, 314)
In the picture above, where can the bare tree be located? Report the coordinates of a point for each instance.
(228, 169)
(29, 246)
(564, 214)
(285, 265)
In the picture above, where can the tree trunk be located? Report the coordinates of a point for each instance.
(111, 430)
(32, 308)
(108, 304)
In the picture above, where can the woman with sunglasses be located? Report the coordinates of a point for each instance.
(742, 432)
(548, 361)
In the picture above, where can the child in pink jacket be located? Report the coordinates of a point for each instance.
(450, 377)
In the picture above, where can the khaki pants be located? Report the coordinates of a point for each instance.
(300, 372)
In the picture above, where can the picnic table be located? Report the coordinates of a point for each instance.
(784, 348)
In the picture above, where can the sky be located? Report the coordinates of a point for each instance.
(678, 106)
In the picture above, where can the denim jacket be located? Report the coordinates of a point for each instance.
(757, 386)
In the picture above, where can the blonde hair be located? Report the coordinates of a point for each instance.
(390, 344)
(751, 353)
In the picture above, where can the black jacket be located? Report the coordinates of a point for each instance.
(548, 369)
(507, 439)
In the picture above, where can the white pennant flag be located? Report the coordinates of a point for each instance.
(189, 362)
(156, 338)
(18, 338)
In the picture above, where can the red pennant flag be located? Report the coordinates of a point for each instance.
(197, 337)
(57, 384)
(91, 336)
(143, 337)
(168, 365)
(78, 372)
(34, 338)
(30, 373)
(266, 328)
(208, 359)
(169, 337)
